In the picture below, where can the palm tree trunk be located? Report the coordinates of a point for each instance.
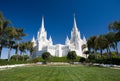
(108, 53)
(116, 48)
(23, 56)
(0, 51)
(101, 54)
(95, 53)
(9, 50)
(17, 51)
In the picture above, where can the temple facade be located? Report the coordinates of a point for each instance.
(75, 43)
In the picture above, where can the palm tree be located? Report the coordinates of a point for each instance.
(111, 42)
(10, 36)
(3, 25)
(19, 36)
(30, 48)
(116, 40)
(91, 45)
(115, 27)
(101, 43)
(23, 48)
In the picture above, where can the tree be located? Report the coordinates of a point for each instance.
(10, 35)
(71, 55)
(115, 27)
(46, 56)
(30, 47)
(100, 43)
(19, 36)
(3, 25)
(91, 45)
(23, 48)
(110, 43)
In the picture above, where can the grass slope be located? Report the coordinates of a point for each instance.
(60, 73)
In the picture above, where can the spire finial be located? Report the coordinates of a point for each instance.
(75, 25)
(42, 25)
(42, 21)
(84, 38)
(33, 39)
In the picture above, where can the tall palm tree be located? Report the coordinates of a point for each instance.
(100, 43)
(111, 42)
(20, 34)
(30, 47)
(10, 36)
(23, 48)
(115, 27)
(3, 25)
(91, 45)
(116, 40)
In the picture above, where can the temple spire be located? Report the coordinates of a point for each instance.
(42, 25)
(67, 39)
(33, 39)
(50, 39)
(75, 25)
(67, 42)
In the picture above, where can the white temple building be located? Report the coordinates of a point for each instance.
(42, 44)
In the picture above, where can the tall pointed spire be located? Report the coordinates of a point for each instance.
(33, 39)
(75, 25)
(67, 42)
(84, 37)
(67, 39)
(50, 39)
(42, 25)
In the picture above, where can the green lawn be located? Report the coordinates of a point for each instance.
(60, 73)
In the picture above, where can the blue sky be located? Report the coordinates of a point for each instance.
(92, 16)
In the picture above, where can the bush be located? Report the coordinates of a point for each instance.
(82, 59)
(35, 60)
(20, 58)
(71, 55)
(58, 59)
(11, 62)
(26, 57)
(46, 56)
(91, 57)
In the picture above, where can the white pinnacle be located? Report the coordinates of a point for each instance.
(42, 25)
(75, 25)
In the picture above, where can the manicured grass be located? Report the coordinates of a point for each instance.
(60, 73)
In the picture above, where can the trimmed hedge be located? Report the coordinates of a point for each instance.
(11, 62)
(53, 59)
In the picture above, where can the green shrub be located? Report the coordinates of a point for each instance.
(71, 56)
(82, 59)
(35, 60)
(20, 58)
(91, 57)
(58, 59)
(11, 62)
(46, 56)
